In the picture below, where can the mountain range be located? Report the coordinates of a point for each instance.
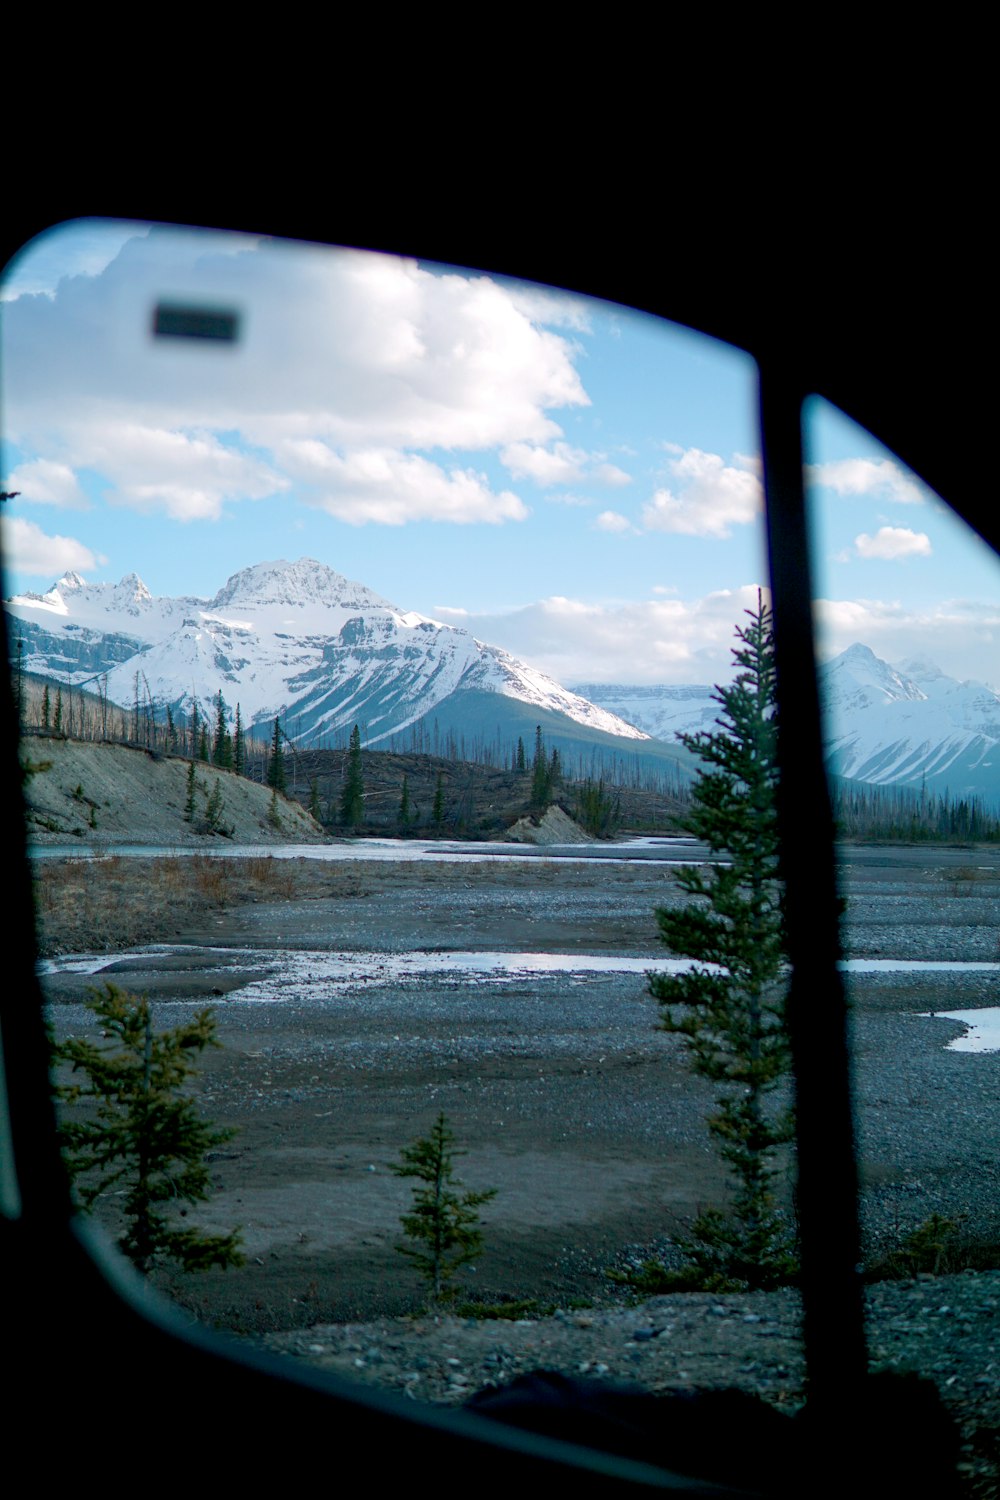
(907, 725)
(300, 641)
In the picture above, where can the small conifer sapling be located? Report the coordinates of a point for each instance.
(142, 1138)
(443, 1225)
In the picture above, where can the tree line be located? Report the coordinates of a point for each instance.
(904, 815)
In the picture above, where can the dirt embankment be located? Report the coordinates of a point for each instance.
(99, 794)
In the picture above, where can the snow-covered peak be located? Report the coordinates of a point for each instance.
(857, 677)
(306, 582)
(130, 595)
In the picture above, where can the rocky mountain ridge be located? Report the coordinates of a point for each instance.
(296, 640)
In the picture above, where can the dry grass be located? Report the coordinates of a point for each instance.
(99, 905)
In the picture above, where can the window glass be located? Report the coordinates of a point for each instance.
(906, 618)
(465, 556)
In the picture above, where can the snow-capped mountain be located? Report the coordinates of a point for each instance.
(663, 712)
(908, 724)
(291, 639)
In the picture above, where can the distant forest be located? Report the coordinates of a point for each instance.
(905, 815)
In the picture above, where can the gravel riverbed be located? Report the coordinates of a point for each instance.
(565, 1098)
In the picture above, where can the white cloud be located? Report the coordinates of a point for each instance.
(709, 499)
(612, 520)
(188, 476)
(657, 640)
(961, 636)
(611, 474)
(28, 549)
(346, 347)
(391, 488)
(45, 482)
(892, 542)
(557, 309)
(878, 479)
(561, 464)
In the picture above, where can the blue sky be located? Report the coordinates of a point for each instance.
(570, 480)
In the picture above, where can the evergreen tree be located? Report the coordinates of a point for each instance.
(189, 801)
(730, 1008)
(57, 720)
(222, 749)
(239, 746)
(315, 811)
(521, 764)
(443, 1223)
(404, 804)
(171, 731)
(276, 776)
(595, 810)
(273, 814)
(540, 779)
(352, 803)
(145, 1138)
(46, 709)
(213, 809)
(437, 811)
(203, 744)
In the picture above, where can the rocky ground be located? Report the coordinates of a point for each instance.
(566, 1099)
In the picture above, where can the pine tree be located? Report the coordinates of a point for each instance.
(541, 785)
(352, 803)
(730, 1008)
(521, 764)
(145, 1138)
(404, 804)
(437, 811)
(57, 720)
(189, 801)
(222, 749)
(443, 1224)
(46, 709)
(203, 744)
(239, 746)
(276, 776)
(213, 809)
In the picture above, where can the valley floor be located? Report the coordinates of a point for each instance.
(564, 1095)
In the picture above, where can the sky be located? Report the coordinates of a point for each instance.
(570, 480)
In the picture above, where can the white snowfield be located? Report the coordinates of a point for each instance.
(295, 639)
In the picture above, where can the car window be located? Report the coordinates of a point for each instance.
(465, 557)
